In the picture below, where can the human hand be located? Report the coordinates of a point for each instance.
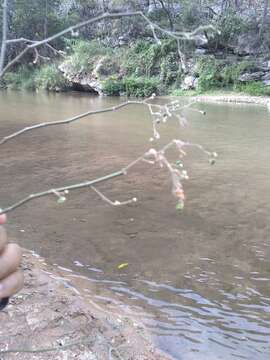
(11, 279)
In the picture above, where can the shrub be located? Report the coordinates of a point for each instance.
(22, 79)
(230, 73)
(140, 58)
(113, 86)
(215, 73)
(131, 86)
(141, 87)
(48, 77)
(209, 73)
(83, 54)
(151, 60)
(254, 88)
(229, 25)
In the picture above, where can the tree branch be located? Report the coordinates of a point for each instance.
(164, 110)
(157, 156)
(66, 121)
(60, 190)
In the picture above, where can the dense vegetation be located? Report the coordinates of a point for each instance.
(123, 57)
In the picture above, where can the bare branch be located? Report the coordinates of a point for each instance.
(60, 190)
(66, 121)
(166, 109)
(157, 157)
(38, 56)
(15, 41)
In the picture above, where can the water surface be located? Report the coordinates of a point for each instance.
(199, 280)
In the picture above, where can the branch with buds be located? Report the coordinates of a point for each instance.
(158, 112)
(152, 156)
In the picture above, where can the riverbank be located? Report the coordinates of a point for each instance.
(235, 98)
(51, 315)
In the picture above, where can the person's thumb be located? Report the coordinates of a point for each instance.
(3, 219)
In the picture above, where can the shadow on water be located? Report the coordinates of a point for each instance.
(199, 280)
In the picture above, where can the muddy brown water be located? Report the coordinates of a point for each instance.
(199, 280)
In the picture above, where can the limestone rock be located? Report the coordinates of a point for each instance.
(90, 81)
(189, 82)
(255, 76)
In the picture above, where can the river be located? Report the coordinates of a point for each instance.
(199, 279)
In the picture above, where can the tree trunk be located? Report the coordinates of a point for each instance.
(265, 11)
(4, 35)
(168, 14)
(46, 20)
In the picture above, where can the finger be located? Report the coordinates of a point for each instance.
(10, 260)
(11, 284)
(3, 238)
(3, 219)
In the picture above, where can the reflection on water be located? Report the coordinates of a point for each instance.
(199, 280)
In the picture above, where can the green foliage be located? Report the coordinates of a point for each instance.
(254, 88)
(230, 73)
(190, 15)
(215, 73)
(48, 77)
(131, 86)
(83, 54)
(140, 58)
(22, 79)
(141, 86)
(209, 73)
(230, 24)
(145, 58)
(113, 87)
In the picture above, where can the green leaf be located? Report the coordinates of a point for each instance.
(179, 206)
(122, 266)
(61, 200)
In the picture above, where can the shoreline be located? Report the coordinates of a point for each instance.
(234, 98)
(215, 97)
(51, 315)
